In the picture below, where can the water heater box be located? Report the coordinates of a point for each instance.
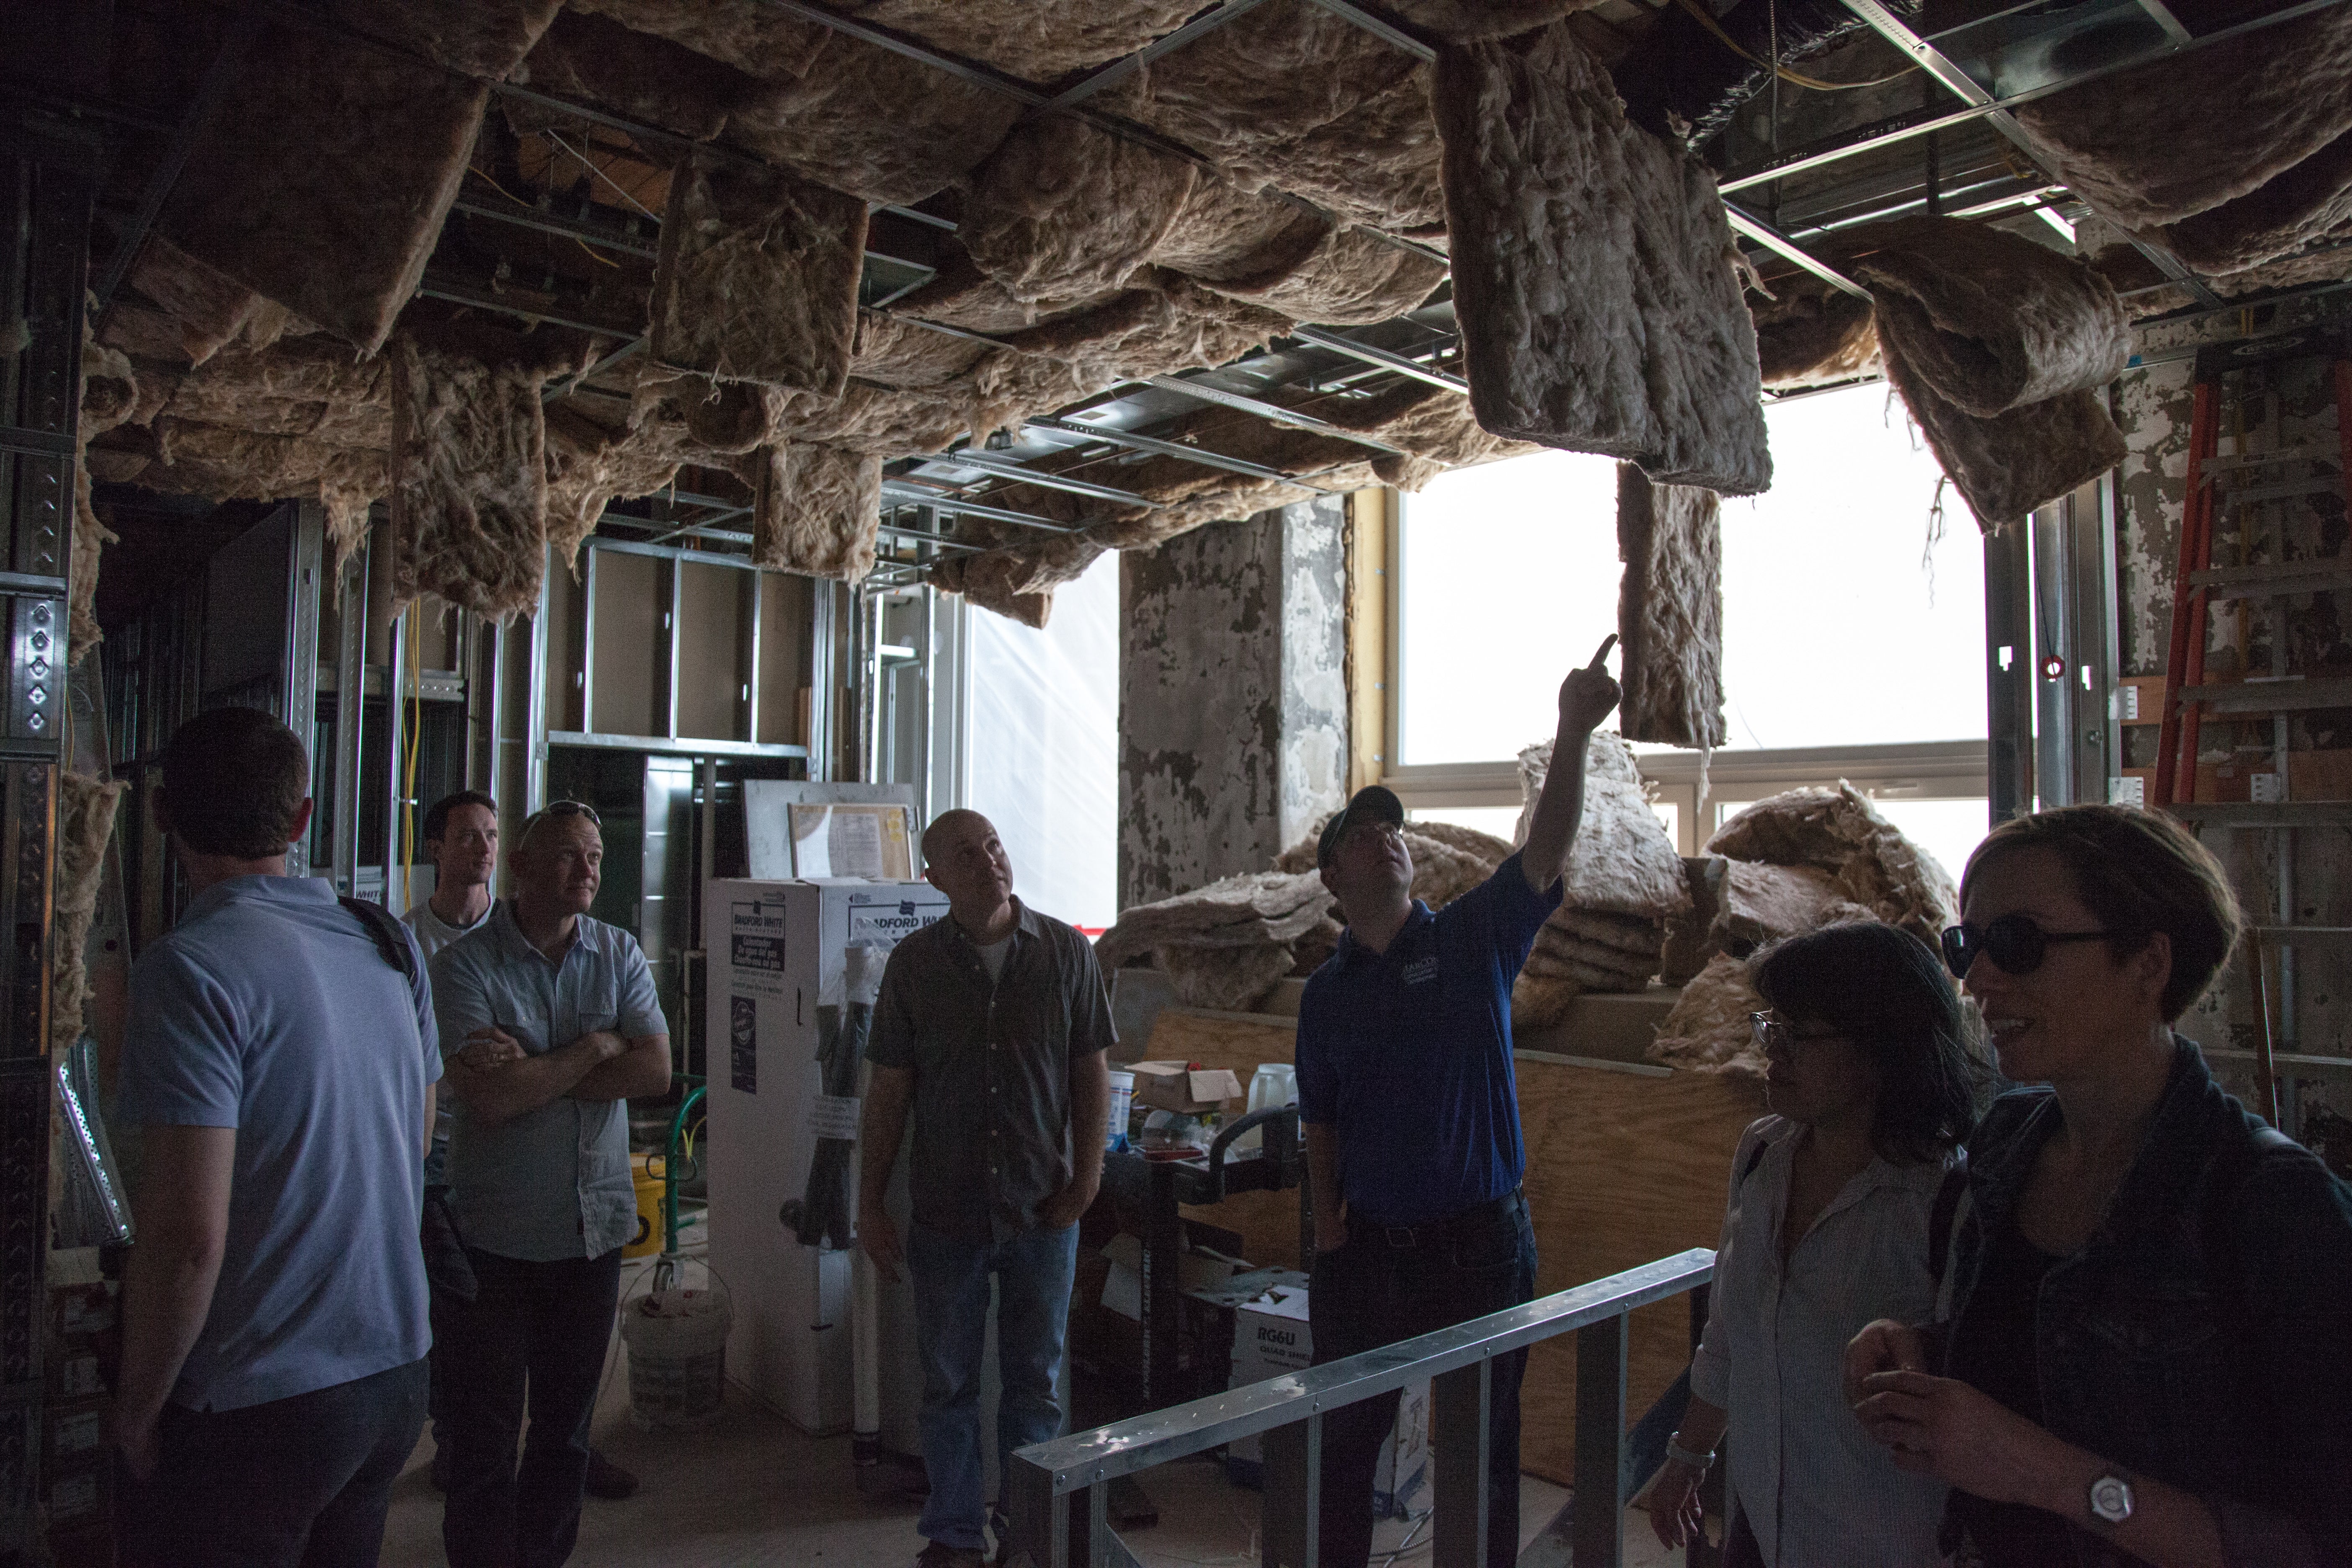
(778, 961)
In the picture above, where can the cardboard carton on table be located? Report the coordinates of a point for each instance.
(1180, 1087)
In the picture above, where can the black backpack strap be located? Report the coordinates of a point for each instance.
(390, 936)
(1943, 1219)
(1755, 1158)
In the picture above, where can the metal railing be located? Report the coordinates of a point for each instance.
(1058, 1491)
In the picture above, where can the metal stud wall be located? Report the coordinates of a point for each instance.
(46, 186)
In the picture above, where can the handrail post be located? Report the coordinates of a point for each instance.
(1291, 1529)
(1040, 1522)
(1599, 1528)
(1459, 1430)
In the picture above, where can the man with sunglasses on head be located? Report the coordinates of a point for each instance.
(1412, 1116)
(548, 1023)
(461, 840)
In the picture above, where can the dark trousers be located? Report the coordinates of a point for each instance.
(303, 1481)
(1370, 1292)
(535, 1328)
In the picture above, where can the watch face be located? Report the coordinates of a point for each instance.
(2111, 1498)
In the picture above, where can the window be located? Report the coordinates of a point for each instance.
(1853, 643)
(1042, 737)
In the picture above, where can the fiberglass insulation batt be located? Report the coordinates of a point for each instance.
(1997, 344)
(1592, 271)
(818, 512)
(758, 277)
(469, 481)
(1670, 612)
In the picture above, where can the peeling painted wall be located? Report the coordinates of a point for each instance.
(2153, 404)
(1232, 696)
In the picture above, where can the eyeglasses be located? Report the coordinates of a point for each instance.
(1780, 1038)
(2016, 943)
(560, 808)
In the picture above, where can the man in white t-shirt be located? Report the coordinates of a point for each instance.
(461, 837)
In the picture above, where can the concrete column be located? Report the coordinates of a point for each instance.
(1232, 696)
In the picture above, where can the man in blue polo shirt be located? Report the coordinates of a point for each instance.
(283, 1065)
(1413, 1118)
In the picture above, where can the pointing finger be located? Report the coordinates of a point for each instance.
(1606, 644)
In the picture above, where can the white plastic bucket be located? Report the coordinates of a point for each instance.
(677, 1356)
(1122, 1105)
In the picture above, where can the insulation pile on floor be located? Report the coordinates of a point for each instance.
(1625, 881)
(1593, 270)
(1998, 344)
(1788, 865)
(1225, 943)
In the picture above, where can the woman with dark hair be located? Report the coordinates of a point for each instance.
(2149, 1355)
(1838, 1201)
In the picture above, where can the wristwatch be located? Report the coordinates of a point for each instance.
(2111, 1500)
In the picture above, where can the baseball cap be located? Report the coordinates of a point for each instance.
(1373, 803)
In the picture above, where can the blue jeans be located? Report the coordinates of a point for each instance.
(1033, 1273)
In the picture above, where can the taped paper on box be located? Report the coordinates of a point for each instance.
(833, 1116)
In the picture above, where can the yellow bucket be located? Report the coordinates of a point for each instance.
(647, 1176)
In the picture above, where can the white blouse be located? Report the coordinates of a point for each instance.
(1817, 1490)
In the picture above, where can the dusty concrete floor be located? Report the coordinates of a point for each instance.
(751, 1488)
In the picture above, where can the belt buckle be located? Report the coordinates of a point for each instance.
(1400, 1236)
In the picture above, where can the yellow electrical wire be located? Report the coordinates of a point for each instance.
(1706, 20)
(415, 747)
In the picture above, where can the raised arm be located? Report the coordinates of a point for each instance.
(1586, 697)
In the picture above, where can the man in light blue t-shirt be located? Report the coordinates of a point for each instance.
(550, 1023)
(281, 1056)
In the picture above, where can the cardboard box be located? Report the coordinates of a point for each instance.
(1122, 1290)
(1272, 1337)
(1174, 1086)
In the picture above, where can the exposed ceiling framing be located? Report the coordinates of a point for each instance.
(1859, 175)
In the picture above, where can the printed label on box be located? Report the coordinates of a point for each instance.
(743, 1044)
(885, 925)
(756, 949)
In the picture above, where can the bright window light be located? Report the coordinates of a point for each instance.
(1043, 747)
(1843, 626)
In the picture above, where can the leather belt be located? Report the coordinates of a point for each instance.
(1404, 1238)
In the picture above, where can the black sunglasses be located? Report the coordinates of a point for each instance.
(562, 808)
(2014, 942)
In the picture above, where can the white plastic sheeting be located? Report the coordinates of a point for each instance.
(1042, 743)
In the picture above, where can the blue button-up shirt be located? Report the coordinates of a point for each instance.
(1408, 1053)
(553, 1183)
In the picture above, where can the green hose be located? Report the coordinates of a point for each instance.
(669, 1170)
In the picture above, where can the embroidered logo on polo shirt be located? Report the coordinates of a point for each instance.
(1419, 970)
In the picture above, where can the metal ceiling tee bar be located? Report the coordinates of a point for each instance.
(913, 497)
(1367, 355)
(882, 38)
(1006, 469)
(1935, 63)
(556, 391)
(1273, 411)
(242, 27)
(1753, 227)
(1119, 70)
(1176, 449)
(1386, 31)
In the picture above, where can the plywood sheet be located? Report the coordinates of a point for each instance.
(1623, 1168)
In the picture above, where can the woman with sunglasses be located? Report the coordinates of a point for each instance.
(1837, 1199)
(2150, 1358)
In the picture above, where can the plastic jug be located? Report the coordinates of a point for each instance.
(1122, 1106)
(1273, 1085)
